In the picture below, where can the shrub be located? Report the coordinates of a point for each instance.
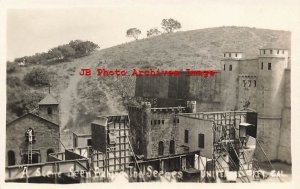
(38, 77)
(11, 67)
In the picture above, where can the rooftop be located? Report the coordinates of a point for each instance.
(48, 100)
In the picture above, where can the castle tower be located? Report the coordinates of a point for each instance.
(272, 63)
(229, 79)
(48, 109)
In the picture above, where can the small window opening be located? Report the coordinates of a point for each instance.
(186, 136)
(49, 110)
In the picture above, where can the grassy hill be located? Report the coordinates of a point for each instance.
(83, 98)
(198, 48)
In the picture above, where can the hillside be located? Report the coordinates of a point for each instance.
(198, 48)
(83, 98)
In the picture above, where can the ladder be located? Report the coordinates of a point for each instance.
(29, 161)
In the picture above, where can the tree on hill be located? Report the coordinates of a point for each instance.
(133, 32)
(169, 25)
(67, 51)
(153, 32)
(37, 77)
(55, 54)
(83, 48)
(11, 67)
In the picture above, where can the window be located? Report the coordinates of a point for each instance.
(282, 51)
(262, 65)
(230, 67)
(89, 142)
(271, 51)
(49, 151)
(201, 140)
(162, 121)
(269, 66)
(49, 111)
(277, 51)
(229, 54)
(177, 120)
(151, 122)
(249, 83)
(11, 158)
(35, 158)
(172, 147)
(244, 83)
(161, 148)
(254, 83)
(264, 51)
(154, 122)
(224, 67)
(186, 136)
(158, 121)
(235, 54)
(224, 55)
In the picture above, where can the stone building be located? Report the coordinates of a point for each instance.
(154, 137)
(25, 148)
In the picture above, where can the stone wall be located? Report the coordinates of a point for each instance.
(284, 150)
(46, 136)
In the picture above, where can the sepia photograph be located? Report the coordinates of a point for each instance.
(149, 92)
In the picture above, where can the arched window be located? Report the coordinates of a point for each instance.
(172, 147)
(49, 151)
(49, 110)
(11, 158)
(161, 148)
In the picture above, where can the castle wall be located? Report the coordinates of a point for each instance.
(284, 150)
(248, 66)
(268, 134)
(247, 91)
(176, 90)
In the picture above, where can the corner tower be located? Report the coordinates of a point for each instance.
(229, 79)
(272, 63)
(48, 109)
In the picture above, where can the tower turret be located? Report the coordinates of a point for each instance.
(229, 78)
(48, 109)
(272, 63)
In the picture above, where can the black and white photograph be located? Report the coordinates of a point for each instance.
(149, 92)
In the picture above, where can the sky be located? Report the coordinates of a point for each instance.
(37, 27)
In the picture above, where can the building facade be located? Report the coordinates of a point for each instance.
(30, 138)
